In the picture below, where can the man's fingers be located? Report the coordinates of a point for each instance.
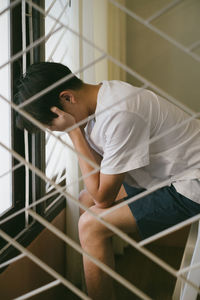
(62, 121)
(57, 111)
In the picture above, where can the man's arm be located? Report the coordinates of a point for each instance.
(103, 188)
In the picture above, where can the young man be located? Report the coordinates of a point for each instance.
(118, 140)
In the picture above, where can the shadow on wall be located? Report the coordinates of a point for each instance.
(23, 276)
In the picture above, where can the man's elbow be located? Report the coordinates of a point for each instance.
(104, 204)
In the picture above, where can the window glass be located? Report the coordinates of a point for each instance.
(5, 112)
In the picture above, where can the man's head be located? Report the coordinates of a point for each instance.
(37, 78)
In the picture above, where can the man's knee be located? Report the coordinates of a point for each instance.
(91, 231)
(86, 228)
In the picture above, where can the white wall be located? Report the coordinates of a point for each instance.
(94, 28)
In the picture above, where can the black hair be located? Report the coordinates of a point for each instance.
(38, 77)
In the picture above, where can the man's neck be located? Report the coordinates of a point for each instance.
(90, 95)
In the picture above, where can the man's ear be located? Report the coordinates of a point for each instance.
(67, 96)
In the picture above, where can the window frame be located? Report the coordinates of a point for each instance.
(17, 225)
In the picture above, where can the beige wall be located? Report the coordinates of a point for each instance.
(105, 26)
(156, 59)
(100, 38)
(23, 275)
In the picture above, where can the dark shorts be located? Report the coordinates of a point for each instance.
(160, 210)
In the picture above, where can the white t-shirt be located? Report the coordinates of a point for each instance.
(122, 134)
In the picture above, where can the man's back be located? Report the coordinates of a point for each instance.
(124, 134)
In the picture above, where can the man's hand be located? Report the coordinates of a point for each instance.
(63, 121)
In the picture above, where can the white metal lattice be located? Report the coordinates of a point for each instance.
(59, 26)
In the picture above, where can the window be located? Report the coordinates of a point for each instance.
(5, 112)
(20, 26)
(24, 25)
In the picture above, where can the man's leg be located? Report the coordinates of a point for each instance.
(95, 239)
(85, 199)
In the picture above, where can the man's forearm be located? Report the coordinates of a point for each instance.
(103, 188)
(92, 182)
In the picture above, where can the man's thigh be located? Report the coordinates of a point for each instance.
(122, 218)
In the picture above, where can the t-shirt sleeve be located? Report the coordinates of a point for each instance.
(127, 144)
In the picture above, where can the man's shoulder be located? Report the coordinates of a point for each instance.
(119, 96)
(118, 85)
(116, 94)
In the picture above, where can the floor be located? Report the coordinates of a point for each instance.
(142, 272)
(146, 275)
